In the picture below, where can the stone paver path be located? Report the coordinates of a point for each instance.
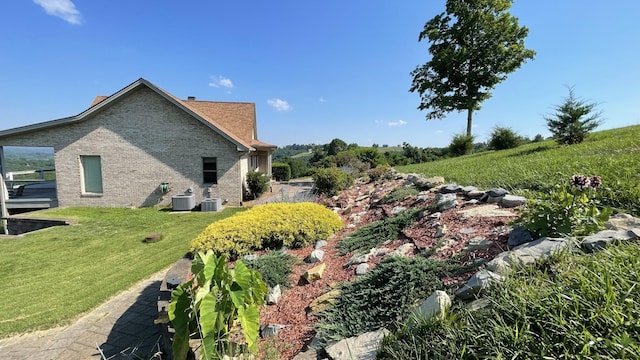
(122, 328)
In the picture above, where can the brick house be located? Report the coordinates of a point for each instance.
(142, 145)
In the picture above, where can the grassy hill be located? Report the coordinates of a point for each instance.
(614, 155)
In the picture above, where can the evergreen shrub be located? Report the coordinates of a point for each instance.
(281, 171)
(268, 226)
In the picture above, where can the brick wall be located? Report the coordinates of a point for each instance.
(143, 140)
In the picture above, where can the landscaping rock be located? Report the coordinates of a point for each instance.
(274, 294)
(316, 256)
(404, 250)
(478, 282)
(603, 238)
(314, 274)
(436, 304)
(358, 259)
(526, 254)
(478, 244)
(442, 230)
(323, 301)
(476, 194)
(451, 189)
(497, 192)
(362, 347)
(270, 330)
(397, 210)
(488, 210)
(446, 201)
(467, 189)
(320, 244)
(362, 269)
(510, 201)
(250, 257)
(310, 354)
(519, 235)
(622, 221)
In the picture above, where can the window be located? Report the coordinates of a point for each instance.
(91, 174)
(255, 162)
(210, 170)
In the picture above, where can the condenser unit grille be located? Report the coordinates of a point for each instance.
(183, 202)
(211, 205)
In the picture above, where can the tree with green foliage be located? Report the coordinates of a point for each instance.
(335, 146)
(475, 44)
(573, 120)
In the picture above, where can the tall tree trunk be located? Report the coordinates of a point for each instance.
(469, 116)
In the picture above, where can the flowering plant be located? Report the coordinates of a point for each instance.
(566, 211)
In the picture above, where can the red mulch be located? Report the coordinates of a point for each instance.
(291, 309)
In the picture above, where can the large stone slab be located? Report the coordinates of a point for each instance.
(362, 347)
(601, 239)
(489, 210)
(436, 304)
(526, 254)
(478, 282)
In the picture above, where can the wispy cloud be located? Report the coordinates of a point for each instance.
(221, 81)
(397, 123)
(279, 104)
(321, 99)
(439, 131)
(64, 9)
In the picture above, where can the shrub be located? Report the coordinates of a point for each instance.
(398, 194)
(268, 226)
(281, 171)
(382, 297)
(329, 181)
(275, 268)
(377, 232)
(573, 120)
(258, 183)
(380, 172)
(502, 138)
(461, 145)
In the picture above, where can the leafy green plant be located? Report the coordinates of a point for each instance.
(461, 145)
(258, 183)
(567, 210)
(213, 303)
(275, 267)
(382, 297)
(281, 171)
(573, 120)
(504, 138)
(329, 181)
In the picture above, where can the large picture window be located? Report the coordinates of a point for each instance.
(210, 170)
(91, 174)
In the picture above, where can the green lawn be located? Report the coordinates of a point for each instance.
(50, 277)
(612, 154)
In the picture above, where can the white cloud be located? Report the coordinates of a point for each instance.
(279, 104)
(321, 99)
(397, 123)
(221, 81)
(64, 9)
(439, 131)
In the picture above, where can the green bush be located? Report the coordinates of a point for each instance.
(580, 307)
(381, 298)
(281, 171)
(377, 232)
(398, 194)
(573, 120)
(502, 138)
(380, 172)
(257, 183)
(461, 145)
(330, 181)
(275, 267)
(268, 226)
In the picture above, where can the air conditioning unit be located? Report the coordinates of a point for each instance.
(184, 202)
(211, 204)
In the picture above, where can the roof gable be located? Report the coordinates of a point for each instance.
(233, 121)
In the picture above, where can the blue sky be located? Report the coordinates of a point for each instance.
(316, 70)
